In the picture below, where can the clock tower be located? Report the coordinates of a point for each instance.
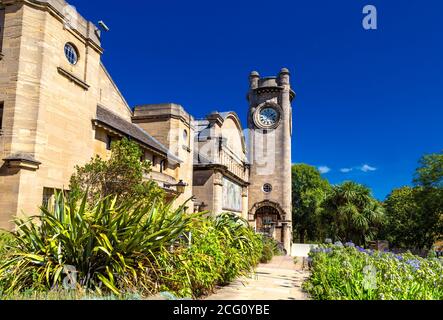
(270, 132)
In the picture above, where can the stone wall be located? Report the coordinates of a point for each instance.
(172, 126)
(48, 104)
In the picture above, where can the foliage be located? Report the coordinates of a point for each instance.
(121, 175)
(6, 240)
(402, 215)
(309, 190)
(126, 248)
(414, 216)
(270, 249)
(430, 172)
(352, 273)
(111, 246)
(351, 213)
(222, 249)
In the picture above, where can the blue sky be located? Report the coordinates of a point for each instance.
(370, 101)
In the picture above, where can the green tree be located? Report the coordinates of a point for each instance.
(429, 177)
(402, 225)
(121, 175)
(414, 214)
(430, 172)
(309, 190)
(351, 213)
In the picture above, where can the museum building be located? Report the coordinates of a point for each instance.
(59, 107)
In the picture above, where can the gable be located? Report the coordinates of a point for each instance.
(111, 97)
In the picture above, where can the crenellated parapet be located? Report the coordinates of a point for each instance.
(261, 86)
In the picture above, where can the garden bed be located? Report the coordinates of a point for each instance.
(353, 273)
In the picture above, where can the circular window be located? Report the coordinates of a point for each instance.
(71, 53)
(267, 188)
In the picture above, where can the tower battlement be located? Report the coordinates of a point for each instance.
(259, 85)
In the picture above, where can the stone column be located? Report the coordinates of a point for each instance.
(284, 80)
(218, 193)
(245, 203)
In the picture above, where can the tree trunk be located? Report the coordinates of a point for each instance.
(302, 236)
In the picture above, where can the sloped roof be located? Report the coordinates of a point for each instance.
(203, 127)
(132, 130)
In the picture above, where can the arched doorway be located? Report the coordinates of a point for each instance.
(267, 222)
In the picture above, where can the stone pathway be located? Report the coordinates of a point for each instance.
(281, 279)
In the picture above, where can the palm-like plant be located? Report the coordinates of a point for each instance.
(111, 246)
(352, 213)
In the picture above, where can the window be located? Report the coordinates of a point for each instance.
(162, 166)
(268, 220)
(71, 53)
(185, 135)
(1, 117)
(267, 188)
(108, 142)
(49, 197)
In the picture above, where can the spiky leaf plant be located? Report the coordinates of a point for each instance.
(111, 246)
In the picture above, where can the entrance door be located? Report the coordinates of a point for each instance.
(267, 222)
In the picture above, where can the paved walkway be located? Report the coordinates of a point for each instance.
(281, 279)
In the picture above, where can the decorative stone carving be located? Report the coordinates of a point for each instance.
(268, 203)
(218, 179)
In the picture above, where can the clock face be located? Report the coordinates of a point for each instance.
(268, 117)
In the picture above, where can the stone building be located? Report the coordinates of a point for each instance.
(59, 107)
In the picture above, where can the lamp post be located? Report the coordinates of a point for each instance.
(181, 185)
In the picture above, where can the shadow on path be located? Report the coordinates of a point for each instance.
(278, 280)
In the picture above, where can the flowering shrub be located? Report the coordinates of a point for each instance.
(353, 273)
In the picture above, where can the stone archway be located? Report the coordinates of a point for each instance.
(268, 217)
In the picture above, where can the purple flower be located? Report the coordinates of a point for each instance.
(349, 244)
(414, 264)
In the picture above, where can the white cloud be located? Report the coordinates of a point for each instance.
(367, 168)
(364, 168)
(324, 169)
